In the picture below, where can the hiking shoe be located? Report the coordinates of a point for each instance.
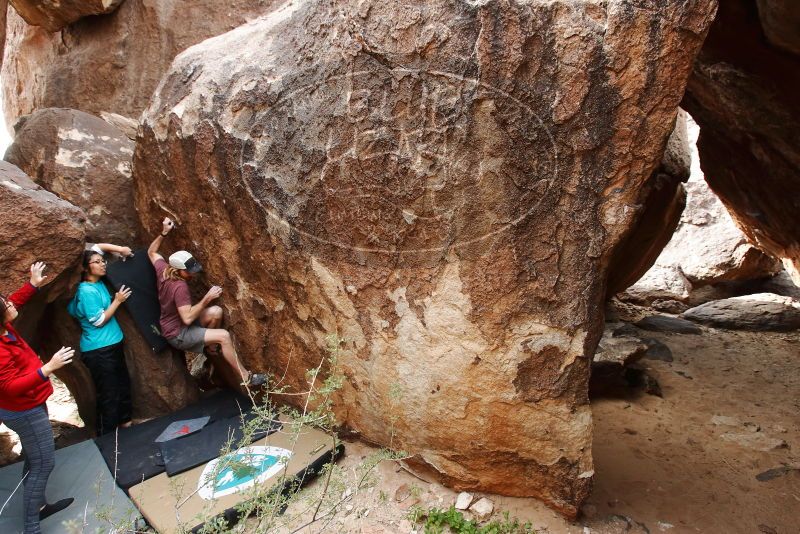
(256, 380)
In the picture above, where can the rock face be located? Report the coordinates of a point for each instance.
(706, 248)
(762, 311)
(84, 160)
(780, 20)
(38, 226)
(664, 200)
(743, 94)
(53, 15)
(441, 186)
(110, 63)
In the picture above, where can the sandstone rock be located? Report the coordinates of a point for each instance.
(664, 199)
(84, 160)
(110, 63)
(126, 125)
(660, 282)
(463, 500)
(780, 20)
(482, 509)
(53, 15)
(762, 311)
(665, 323)
(669, 306)
(444, 197)
(743, 94)
(37, 226)
(656, 350)
(707, 245)
(781, 284)
(3, 12)
(706, 248)
(618, 350)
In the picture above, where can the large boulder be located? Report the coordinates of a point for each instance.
(112, 62)
(743, 94)
(53, 15)
(440, 185)
(39, 226)
(84, 160)
(761, 311)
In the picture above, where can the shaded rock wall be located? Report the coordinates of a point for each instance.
(440, 185)
(743, 94)
(84, 160)
(111, 62)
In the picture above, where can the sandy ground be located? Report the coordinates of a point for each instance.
(686, 462)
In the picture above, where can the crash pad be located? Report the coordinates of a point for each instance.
(81, 473)
(215, 488)
(138, 274)
(133, 454)
(184, 453)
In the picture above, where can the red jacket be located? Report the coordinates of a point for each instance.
(21, 385)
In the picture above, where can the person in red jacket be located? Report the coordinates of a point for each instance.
(24, 388)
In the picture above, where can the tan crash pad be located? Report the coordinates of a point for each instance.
(167, 502)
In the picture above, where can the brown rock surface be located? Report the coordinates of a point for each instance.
(110, 63)
(38, 226)
(53, 15)
(84, 160)
(780, 20)
(441, 186)
(3, 12)
(743, 94)
(664, 199)
(706, 248)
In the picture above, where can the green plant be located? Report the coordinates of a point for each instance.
(437, 521)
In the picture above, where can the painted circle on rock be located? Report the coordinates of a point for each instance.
(240, 470)
(396, 161)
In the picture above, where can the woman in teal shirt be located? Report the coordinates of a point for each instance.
(101, 338)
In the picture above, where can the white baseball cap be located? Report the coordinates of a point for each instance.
(185, 261)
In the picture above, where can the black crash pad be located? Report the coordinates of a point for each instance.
(138, 274)
(133, 454)
(185, 453)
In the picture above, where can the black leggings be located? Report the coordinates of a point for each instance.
(36, 436)
(113, 385)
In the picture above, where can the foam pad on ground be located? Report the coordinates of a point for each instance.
(81, 473)
(282, 458)
(187, 452)
(138, 274)
(133, 454)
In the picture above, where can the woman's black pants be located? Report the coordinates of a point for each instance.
(113, 386)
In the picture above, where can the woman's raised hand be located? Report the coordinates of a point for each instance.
(37, 278)
(167, 225)
(123, 294)
(125, 252)
(59, 360)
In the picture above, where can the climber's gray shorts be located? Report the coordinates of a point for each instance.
(191, 339)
